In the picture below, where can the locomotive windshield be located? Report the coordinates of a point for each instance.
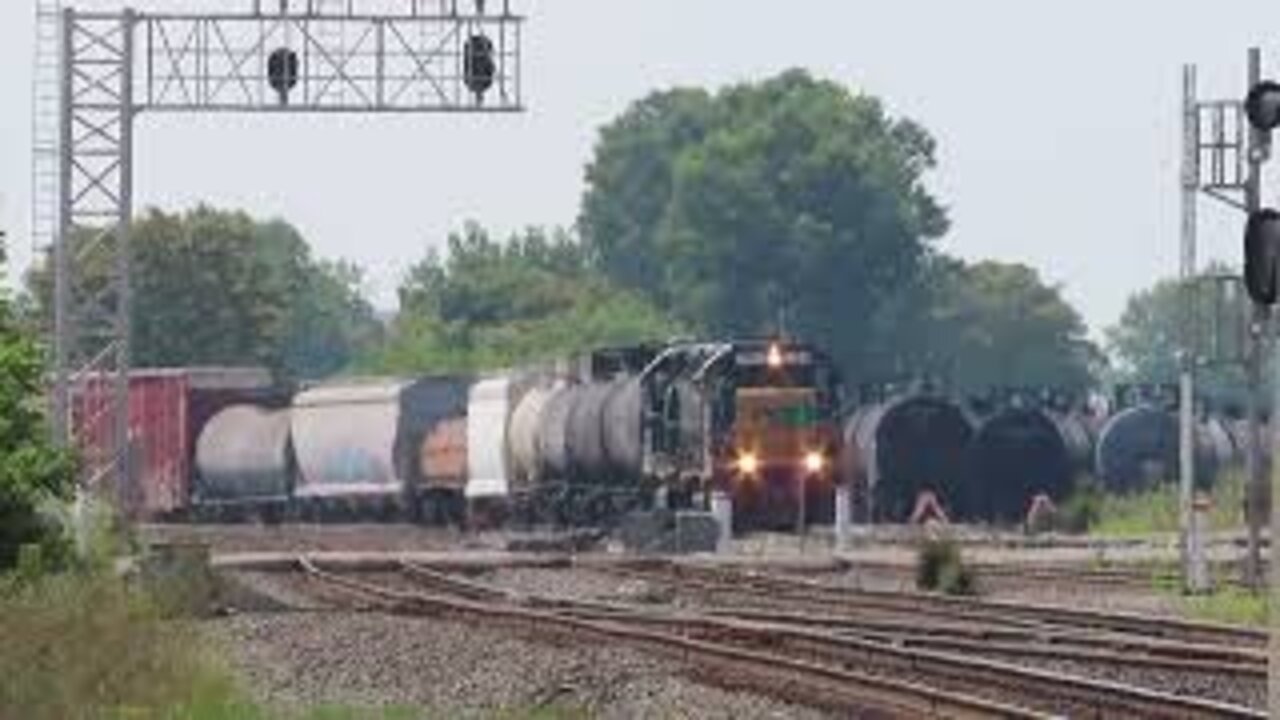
(789, 367)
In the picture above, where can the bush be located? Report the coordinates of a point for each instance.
(84, 645)
(34, 475)
(940, 568)
(1083, 509)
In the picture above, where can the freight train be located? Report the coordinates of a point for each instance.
(585, 440)
(576, 442)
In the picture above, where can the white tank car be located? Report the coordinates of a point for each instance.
(525, 462)
(243, 455)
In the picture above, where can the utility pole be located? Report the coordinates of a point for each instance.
(1261, 265)
(1257, 341)
(1187, 270)
(1223, 157)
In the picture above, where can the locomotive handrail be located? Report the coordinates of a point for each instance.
(720, 351)
(668, 353)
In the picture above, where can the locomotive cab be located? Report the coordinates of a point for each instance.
(777, 443)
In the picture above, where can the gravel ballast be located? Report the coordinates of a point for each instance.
(449, 669)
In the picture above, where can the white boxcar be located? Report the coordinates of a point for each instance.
(488, 407)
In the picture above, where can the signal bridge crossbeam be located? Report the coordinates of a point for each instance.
(321, 56)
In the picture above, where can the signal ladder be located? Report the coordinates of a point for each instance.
(46, 127)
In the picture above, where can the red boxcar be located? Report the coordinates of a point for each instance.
(167, 409)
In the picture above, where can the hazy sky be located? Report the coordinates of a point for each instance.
(1057, 124)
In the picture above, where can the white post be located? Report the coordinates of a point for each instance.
(661, 498)
(1199, 571)
(722, 511)
(1273, 666)
(843, 517)
(1187, 269)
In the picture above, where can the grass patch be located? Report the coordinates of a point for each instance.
(1156, 510)
(89, 646)
(85, 645)
(1227, 605)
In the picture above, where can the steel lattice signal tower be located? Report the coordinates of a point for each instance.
(339, 56)
(1221, 159)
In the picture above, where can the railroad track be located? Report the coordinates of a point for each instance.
(1017, 642)
(1117, 576)
(1221, 671)
(1039, 642)
(839, 689)
(780, 589)
(966, 681)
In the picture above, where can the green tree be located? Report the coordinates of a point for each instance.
(987, 324)
(488, 304)
(32, 472)
(1145, 342)
(212, 287)
(631, 180)
(792, 195)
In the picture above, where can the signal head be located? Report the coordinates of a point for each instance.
(282, 71)
(1261, 255)
(479, 66)
(1262, 105)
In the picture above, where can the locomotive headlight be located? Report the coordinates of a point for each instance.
(774, 357)
(748, 463)
(814, 462)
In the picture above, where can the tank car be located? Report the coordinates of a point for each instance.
(244, 464)
(1138, 448)
(575, 439)
(909, 443)
(500, 443)
(1020, 452)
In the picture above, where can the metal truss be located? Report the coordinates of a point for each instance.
(91, 262)
(1221, 320)
(349, 60)
(1217, 164)
(357, 56)
(1221, 152)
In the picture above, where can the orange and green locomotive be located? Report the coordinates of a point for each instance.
(758, 421)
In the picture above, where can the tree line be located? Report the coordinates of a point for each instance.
(789, 204)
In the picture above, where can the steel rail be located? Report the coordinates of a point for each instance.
(810, 683)
(1023, 686)
(1003, 611)
(1139, 650)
